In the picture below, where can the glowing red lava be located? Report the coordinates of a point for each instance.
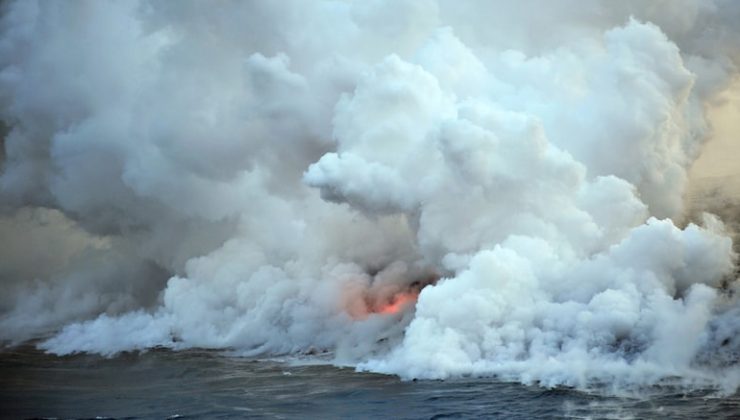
(369, 304)
(396, 303)
(384, 300)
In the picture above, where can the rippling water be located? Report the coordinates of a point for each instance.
(208, 384)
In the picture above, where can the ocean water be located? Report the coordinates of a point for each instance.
(197, 384)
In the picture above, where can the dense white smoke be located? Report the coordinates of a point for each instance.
(428, 189)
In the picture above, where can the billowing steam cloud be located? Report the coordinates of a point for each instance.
(429, 189)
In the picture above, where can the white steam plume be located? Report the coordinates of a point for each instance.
(428, 189)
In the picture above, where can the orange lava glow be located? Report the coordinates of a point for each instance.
(361, 303)
(396, 303)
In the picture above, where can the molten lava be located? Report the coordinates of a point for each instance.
(396, 303)
(360, 303)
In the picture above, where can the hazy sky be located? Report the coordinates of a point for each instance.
(721, 155)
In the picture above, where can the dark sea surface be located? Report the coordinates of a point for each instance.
(197, 384)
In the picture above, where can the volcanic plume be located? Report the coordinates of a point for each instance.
(423, 188)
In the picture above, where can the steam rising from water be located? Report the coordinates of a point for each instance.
(429, 189)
